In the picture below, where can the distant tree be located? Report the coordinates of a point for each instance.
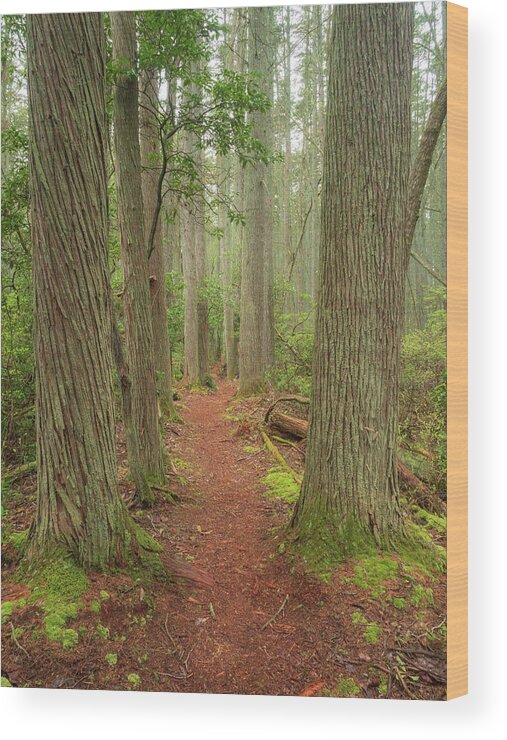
(78, 505)
(149, 106)
(349, 497)
(256, 317)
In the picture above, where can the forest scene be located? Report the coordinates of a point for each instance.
(224, 454)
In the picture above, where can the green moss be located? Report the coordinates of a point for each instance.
(281, 485)
(250, 448)
(8, 608)
(382, 687)
(427, 519)
(145, 564)
(399, 602)
(5, 683)
(324, 542)
(371, 574)
(372, 633)
(18, 539)
(180, 464)
(345, 687)
(134, 680)
(102, 631)
(69, 638)
(95, 606)
(59, 585)
(104, 595)
(112, 658)
(421, 595)
(359, 618)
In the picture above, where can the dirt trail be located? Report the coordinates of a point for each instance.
(233, 636)
(233, 541)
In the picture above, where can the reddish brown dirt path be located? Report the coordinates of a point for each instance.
(231, 652)
(232, 636)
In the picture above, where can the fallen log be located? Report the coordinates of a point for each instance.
(299, 428)
(299, 399)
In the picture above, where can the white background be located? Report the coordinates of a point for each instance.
(95, 715)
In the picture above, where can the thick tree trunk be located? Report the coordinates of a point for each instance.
(350, 488)
(150, 162)
(255, 343)
(78, 504)
(136, 290)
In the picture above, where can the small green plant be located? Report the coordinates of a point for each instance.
(134, 680)
(102, 631)
(111, 658)
(95, 606)
(104, 595)
(345, 687)
(399, 602)
(372, 633)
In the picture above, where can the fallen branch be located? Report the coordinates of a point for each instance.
(280, 458)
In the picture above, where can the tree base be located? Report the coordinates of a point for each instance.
(324, 543)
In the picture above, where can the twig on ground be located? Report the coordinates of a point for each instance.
(15, 640)
(275, 615)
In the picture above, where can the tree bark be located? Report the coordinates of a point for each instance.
(255, 345)
(350, 487)
(78, 505)
(150, 162)
(422, 162)
(136, 290)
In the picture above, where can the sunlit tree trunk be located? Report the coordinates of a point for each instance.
(136, 289)
(78, 505)
(349, 496)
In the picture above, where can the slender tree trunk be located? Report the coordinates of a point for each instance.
(349, 498)
(256, 283)
(191, 348)
(78, 505)
(136, 290)
(150, 162)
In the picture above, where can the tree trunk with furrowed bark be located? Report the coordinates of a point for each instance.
(79, 508)
(136, 290)
(151, 169)
(349, 495)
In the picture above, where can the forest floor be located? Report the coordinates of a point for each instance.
(259, 622)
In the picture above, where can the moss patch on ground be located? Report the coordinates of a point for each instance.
(281, 485)
(59, 585)
(345, 687)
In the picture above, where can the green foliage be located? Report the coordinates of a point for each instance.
(423, 394)
(112, 658)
